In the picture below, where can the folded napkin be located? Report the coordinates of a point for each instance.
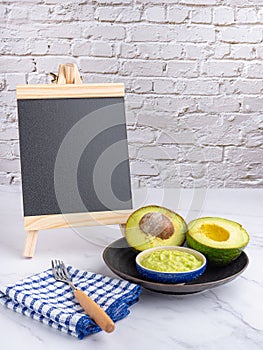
(51, 302)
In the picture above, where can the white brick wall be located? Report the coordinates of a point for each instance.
(193, 73)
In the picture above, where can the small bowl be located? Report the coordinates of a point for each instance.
(171, 277)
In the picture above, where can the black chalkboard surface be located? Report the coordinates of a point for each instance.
(44, 124)
(73, 149)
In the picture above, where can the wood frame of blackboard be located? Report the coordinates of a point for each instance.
(45, 222)
(37, 91)
(69, 84)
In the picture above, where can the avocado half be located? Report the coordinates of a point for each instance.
(220, 240)
(154, 226)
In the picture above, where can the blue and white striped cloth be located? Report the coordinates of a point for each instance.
(51, 302)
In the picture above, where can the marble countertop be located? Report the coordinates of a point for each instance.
(226, 317)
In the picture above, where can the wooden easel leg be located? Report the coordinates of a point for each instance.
(122, 228)
(30, 244)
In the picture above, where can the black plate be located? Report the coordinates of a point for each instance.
(120, 258)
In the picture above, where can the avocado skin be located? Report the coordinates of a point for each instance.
(215, 256)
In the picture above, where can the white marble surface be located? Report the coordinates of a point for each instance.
(227, 317)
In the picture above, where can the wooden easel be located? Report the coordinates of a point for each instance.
(68, 74)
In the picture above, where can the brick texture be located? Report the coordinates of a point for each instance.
(192, 69)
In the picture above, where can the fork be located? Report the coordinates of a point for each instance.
(92, 309)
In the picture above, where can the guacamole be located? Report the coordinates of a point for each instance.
(164, 260)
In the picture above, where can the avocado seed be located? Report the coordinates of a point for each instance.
(157, 224)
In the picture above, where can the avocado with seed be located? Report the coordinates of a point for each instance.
(154, 226)
(220, 240)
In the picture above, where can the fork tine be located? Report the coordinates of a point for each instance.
(65, 271)
(62, 270)
(54, 270)
(55, 267)
(59, 269)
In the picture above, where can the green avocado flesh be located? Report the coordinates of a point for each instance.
(221, 240)
(154, 226)
(164, 260)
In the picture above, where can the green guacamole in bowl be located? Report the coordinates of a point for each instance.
(170, 261)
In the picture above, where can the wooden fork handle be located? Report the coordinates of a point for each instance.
(95, 311)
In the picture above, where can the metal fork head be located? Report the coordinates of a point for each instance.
(60, 272)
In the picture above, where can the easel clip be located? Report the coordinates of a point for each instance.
(67, 74)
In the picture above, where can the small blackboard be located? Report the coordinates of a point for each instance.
(74, 152)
